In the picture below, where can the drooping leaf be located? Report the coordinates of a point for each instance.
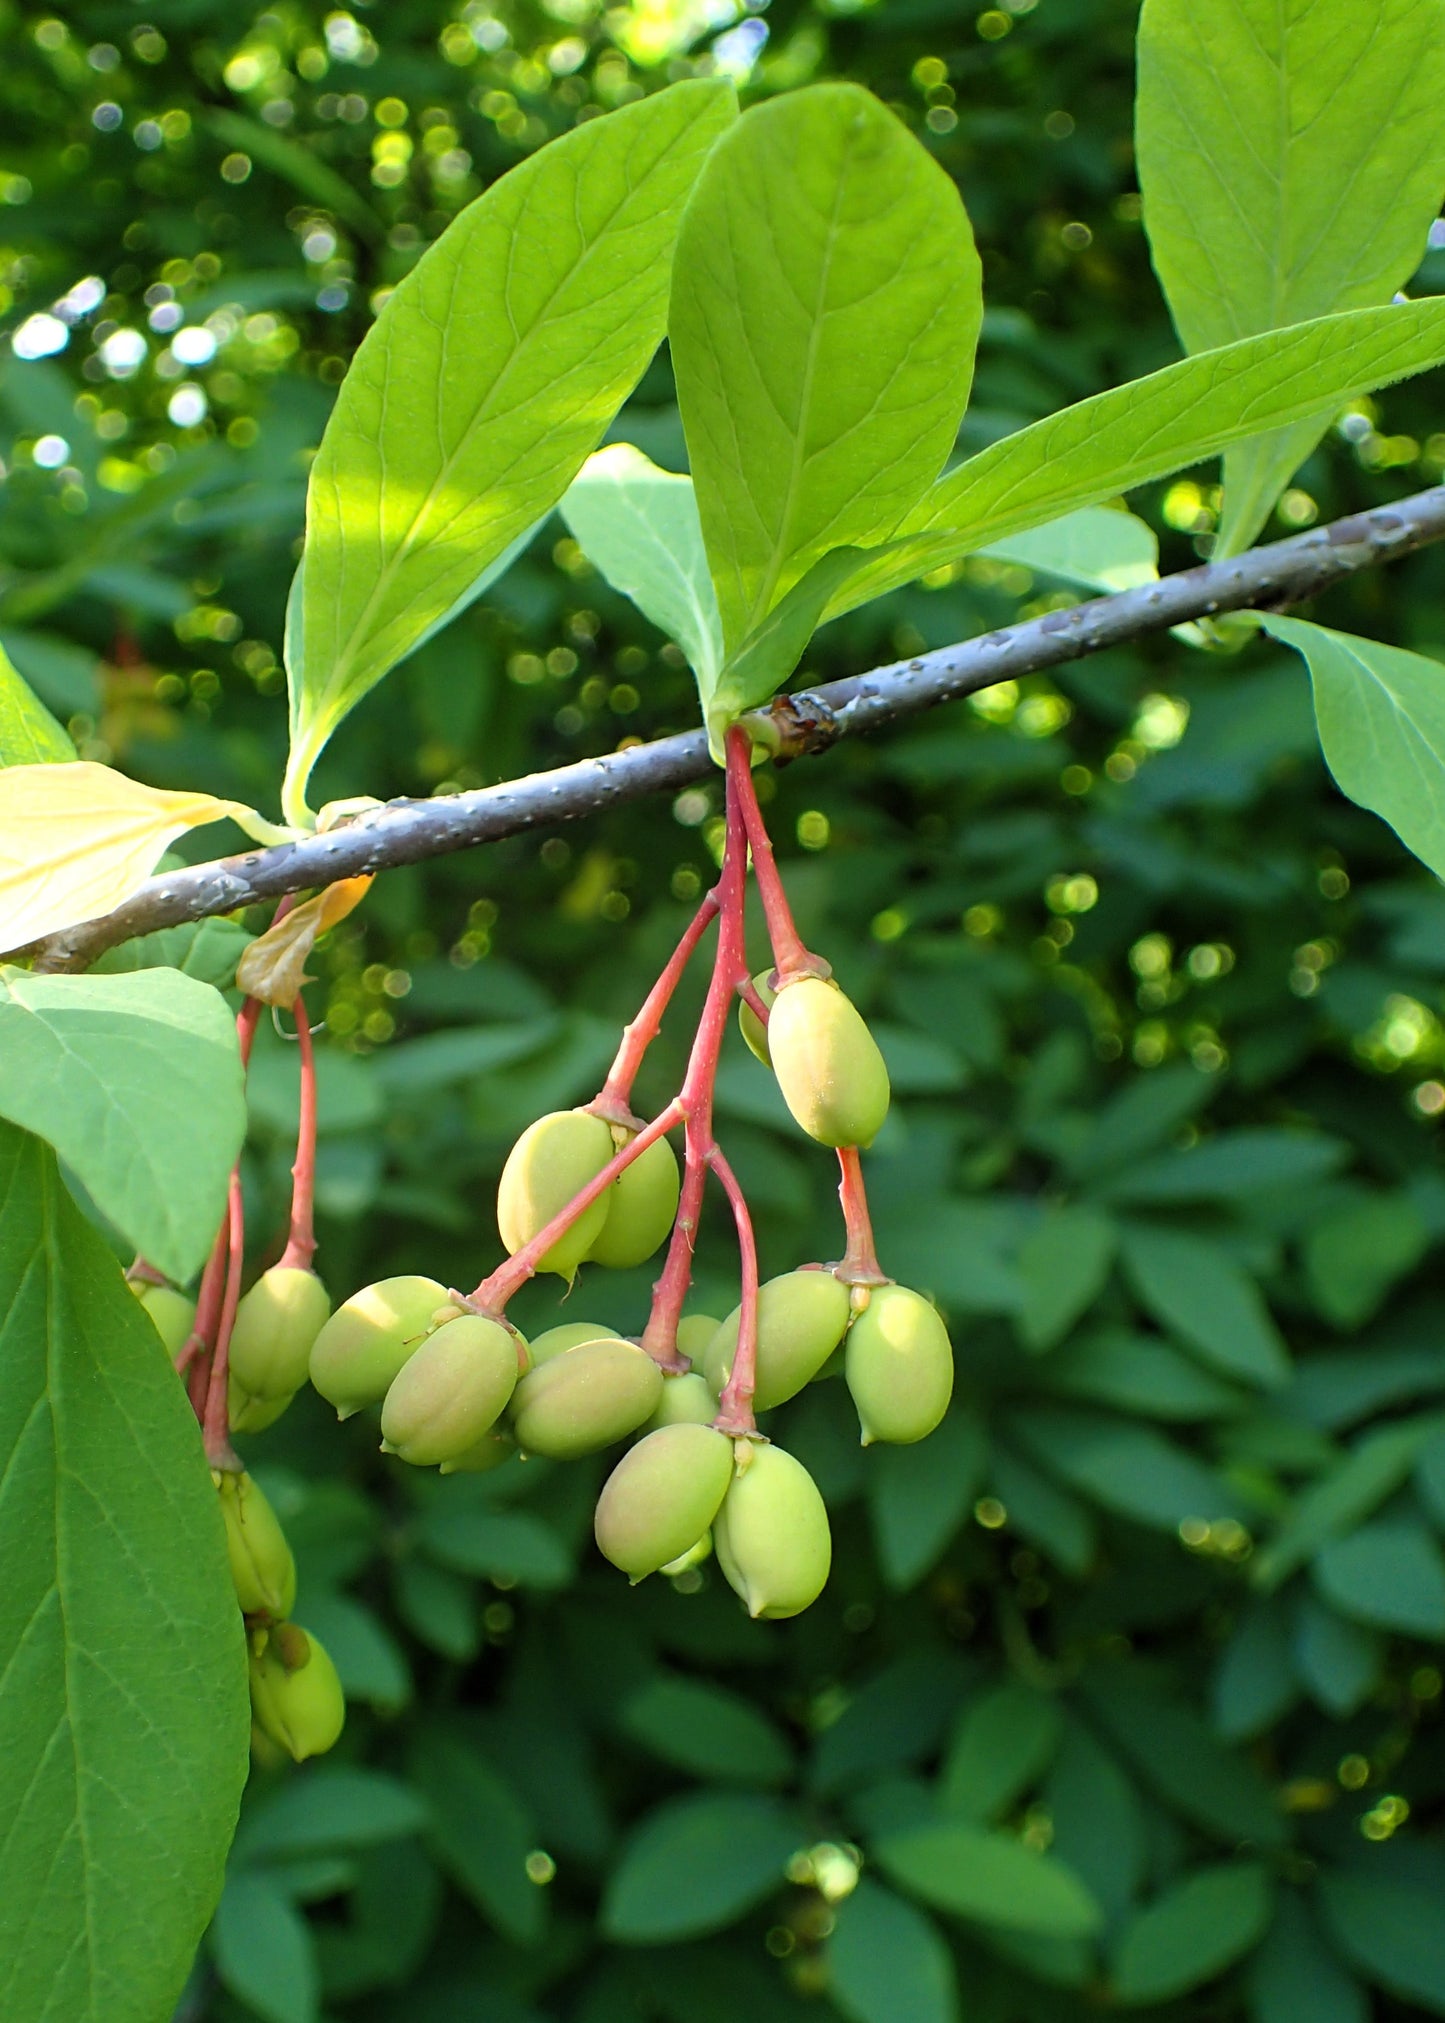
(1353, 1256)
(481, 1832)
(136, 1081)
(1193, 1932)
(988, 1877)
(1001, 1746)
(639, 525)
(1132, 434)
(264, 1951)
(123, 1711)
(1296, 1974)
(1389, 1573)
(1064, 1264)
(1291, 163)
(705, 1729)
(825, 308)
(1381, 716)
(694, 1865)
(1195, 1289)
(29, 734)
(1097, 548)
(273, 966)
(488, 377)
(888, 1963)
(77, 838)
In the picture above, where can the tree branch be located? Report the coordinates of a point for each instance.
(406, 832)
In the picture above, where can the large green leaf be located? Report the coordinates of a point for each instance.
(123, 1715)
(1002, 1745)
(1381, 714)
(264, 1951)
(1194, 1288)
(1291, 160)
(1388, 1924)
(29, 734)
(888, 1963)
(705, 1729)
(1131, 434)
(1097, 548)
(136, 1081)
(918, 1496)
(1389, 1573)
(990, 1878)
(1064, 1263)
(638, 524)
(695, 1865)
(1295, 1975)
(486, 379)
(825, 308)
(1193, 1932)
(1338, 1501)
(481, 1831)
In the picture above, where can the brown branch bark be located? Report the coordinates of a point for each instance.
(406, 832)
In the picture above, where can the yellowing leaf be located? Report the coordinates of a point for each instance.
(76, 839)
(273, 968)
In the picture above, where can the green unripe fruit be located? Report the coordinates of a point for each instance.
(571, 1335)
(262, 1569)
(248, 1414)
(171, 1312)
(750, 1025)
(899, 1366)
(641, 1206)
(489, 1452)
(356, 1356)
(827, 1064)
(801, 1318)
(276, 1324)
(585, 1399)
(686, 1401)
(451, 1392)
(662, 1496)
(298, 1704)
(771, 1535)
(694, 1556)
(694, 1335)
(551, 1162)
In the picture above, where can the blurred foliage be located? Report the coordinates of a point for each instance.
(1158, 1611)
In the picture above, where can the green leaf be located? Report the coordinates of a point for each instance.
(1139, 1373)
(1255, 1683)
(485, 381)
(1064, 1263)
(1389, 1573)
(1230, 1165)
(1150, 427)
(29, 734)
(136, 1081)
(990, 1878)
(919, 1496)
(772, 649)
(208, 950)
(368, 1661)
(825, 308)
(1338, 1502)
(1176, 1755)
(1142, 1115)
(123, 1713)
(705, 1729)
(1381, 716)
(1291, 163)
(1126, 1468)
(695, 1865)
(1099, 1820)
(297, 165)
(481, 1832)
(897, 1717)
(512, 1544)
(1001, 1747)
(1389, 1926)
(638, 524)
(1338, 1661)
(329, 1806)
(1354, 1256)
(264, 1952)
(1099, 548)
(1193, 1932)
(1040, 1511)
(1195, 1289)
(888, 1963)
(1295, 1974)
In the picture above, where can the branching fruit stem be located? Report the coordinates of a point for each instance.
(301, 1243)
(859, 1265)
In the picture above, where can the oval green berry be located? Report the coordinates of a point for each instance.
(585, 1399)
(827, 1063)
(263, 1571)
(686, 1401)
(570, 1335)
(172, 1314)
(694, 1335)
(899, 1366)
(749, 1024)
(296, 1697)
(771, 1535)
(246, 1414)
(488, 1453)
(801, 1318)
(276, 1324)
(451, 1391)
(641, 1206)
(551, 1162)
(356, 1356)
(662, 1496)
